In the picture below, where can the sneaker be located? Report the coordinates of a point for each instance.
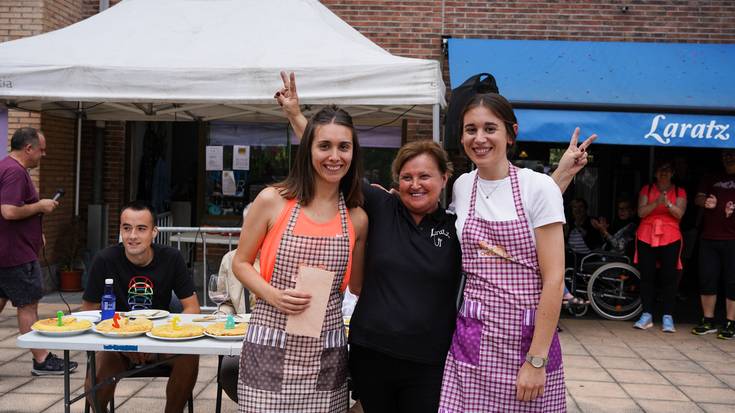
(727, 332)
(668, 324)
(705, 327)
(645, 322)
(51, 366)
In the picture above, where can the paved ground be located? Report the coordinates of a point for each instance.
(610, 367)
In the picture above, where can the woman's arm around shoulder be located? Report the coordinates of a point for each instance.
(260, 219)
(360, 223)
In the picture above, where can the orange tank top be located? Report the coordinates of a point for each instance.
(305, 227)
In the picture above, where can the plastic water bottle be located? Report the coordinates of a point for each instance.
(108, 300)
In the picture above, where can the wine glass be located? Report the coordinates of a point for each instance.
(218, 291)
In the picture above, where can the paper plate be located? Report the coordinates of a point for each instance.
(173, 338)
(149, 314)
(91, 315)
(225, 338)
(119, 335)
(61, 333)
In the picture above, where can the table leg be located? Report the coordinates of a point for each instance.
(92, 363)
(67, 390)
(218, 407)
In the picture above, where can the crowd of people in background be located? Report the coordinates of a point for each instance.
(660, 234)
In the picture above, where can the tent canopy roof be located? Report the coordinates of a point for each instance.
(211, 59)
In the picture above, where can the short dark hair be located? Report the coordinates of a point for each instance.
(300, 182)
(422, 147)
(499, 106)
(140, 206)
(23, 137)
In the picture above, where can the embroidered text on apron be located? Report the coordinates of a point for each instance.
(496, 322)
(280, 372)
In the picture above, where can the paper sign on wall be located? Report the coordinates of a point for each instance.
(241, 157)
(214, 158)
(229, 186)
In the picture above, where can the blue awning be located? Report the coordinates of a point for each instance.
(626, 128)
(605, 75)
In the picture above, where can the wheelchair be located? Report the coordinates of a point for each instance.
(607, 281)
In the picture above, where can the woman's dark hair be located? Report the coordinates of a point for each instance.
(421, 147)
(499, 106)
(301, 181)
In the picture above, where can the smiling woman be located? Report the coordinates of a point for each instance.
(311, 223)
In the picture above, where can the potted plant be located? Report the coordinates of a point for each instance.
(69, 246)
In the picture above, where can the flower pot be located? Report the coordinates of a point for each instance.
(70, 280)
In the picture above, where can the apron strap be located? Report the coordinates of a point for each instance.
(517, 201)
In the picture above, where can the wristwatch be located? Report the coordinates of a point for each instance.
(536, 361)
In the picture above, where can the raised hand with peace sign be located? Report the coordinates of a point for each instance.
(288, 99)
(573, 160)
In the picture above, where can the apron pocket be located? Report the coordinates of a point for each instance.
(527, 330)
(332, 369)
(468, 334)
(261, 366)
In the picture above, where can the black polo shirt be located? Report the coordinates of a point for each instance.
(412, 272)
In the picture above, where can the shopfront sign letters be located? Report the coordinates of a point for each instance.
(6, 83)
(628, 128)
(663, 132)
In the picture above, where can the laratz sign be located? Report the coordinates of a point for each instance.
(627, 128)
(664, 131)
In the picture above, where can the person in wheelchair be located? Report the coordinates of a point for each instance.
(618, 237)
(604, 278)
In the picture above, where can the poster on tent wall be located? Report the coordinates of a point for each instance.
(4, 129)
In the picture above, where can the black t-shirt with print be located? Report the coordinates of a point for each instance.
(137, 287)
(407, 307)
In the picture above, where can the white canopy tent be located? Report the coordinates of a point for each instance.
(208, 60)
(211, 59)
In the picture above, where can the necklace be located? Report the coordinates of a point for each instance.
(495, 188)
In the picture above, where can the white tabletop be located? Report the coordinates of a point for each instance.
(91, 341)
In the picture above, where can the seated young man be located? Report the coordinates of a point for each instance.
(145, 275)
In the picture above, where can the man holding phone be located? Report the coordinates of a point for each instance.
(21, 238)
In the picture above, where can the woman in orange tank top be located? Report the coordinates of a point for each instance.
(309, 226)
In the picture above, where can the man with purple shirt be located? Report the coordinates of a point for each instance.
(21, 238)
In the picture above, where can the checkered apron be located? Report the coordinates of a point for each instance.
(280, 372)
(496, 322)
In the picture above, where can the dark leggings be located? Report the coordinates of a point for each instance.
(387, 384)
(668, 257)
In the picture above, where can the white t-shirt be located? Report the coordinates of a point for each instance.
(541, 197)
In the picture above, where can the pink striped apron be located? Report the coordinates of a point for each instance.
(280, 372)
(496, 322)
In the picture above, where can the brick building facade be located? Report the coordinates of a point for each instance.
(409, 28)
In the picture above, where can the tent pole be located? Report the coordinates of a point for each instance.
(79, 158)
(435, 122)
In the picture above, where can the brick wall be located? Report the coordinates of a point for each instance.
(21, 18)
(114, 175)
(57, 171)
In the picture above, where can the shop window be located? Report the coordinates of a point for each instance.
(243, 158)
